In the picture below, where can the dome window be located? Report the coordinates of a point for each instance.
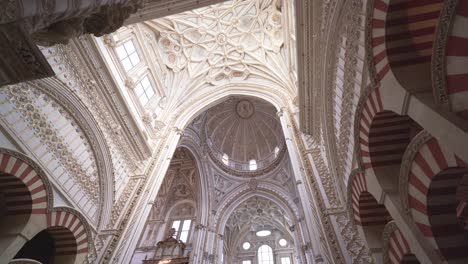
(282, 242)
(246, 246)
(276, 151)
(225, 159)
(252, 165)
(263, 233)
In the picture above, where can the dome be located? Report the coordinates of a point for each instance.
(244, 133)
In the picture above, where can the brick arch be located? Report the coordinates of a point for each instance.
(431, 185)
(402, 39)
(396, 248)
(457, 61)
(367, 211)
(15, 166)
(69, 230)
(383, 137)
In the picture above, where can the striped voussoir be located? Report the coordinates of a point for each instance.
(399, 250)
(22, 186)
(69, 233)
(457, 61)
(433, 180)
(403, 33)
(367, 212)
(384, 135)
(372, 106)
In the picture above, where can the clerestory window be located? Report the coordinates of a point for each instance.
(128, 55)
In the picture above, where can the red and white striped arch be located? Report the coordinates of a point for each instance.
(69, 232)
(372, 106)
(434, 175)
(367, 211)
(457, 61)
(383, 135)
(397, 248)
(403, 33)
(11, 166)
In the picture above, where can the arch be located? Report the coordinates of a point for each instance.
(383, 138)
(265, 254)
(366, 210)
(245, 192)
(402, 35)
(190, 110)
(369, 216)
(68, 234)
(180, 118)
(396, 248)
(204, 195)
(66, 220)
(42, 216)
(456, 57)
(429, 186)
(68, 100)
(15, 165)
(30, 204)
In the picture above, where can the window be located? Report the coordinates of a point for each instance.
(282, 242)
(246, 262)
(225, 159)
(265, 255)
(252, 164)
(263, 233)
(128, 55)
(182, 229)
(246, 245)
(276, 152)
(285, 260)
(144, 91)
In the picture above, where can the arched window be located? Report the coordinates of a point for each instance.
(265, 255)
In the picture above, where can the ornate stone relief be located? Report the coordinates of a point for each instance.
(439, 70)
(79, 77)
(354, 244)
(30, 103)
(328, 182)
(228, 39)
(257, 213)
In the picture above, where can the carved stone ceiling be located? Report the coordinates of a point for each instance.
(257, 213)
(232, 42)
(222, 42)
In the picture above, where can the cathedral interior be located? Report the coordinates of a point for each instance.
(234, 132)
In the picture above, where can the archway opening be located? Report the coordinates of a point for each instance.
(409, 259)
(170, 231)
(257, 232)
(372, 217)
(389, 135)
(410, 28)
(442, 202)
(15, 208)
(53, 245)
(41, 248)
